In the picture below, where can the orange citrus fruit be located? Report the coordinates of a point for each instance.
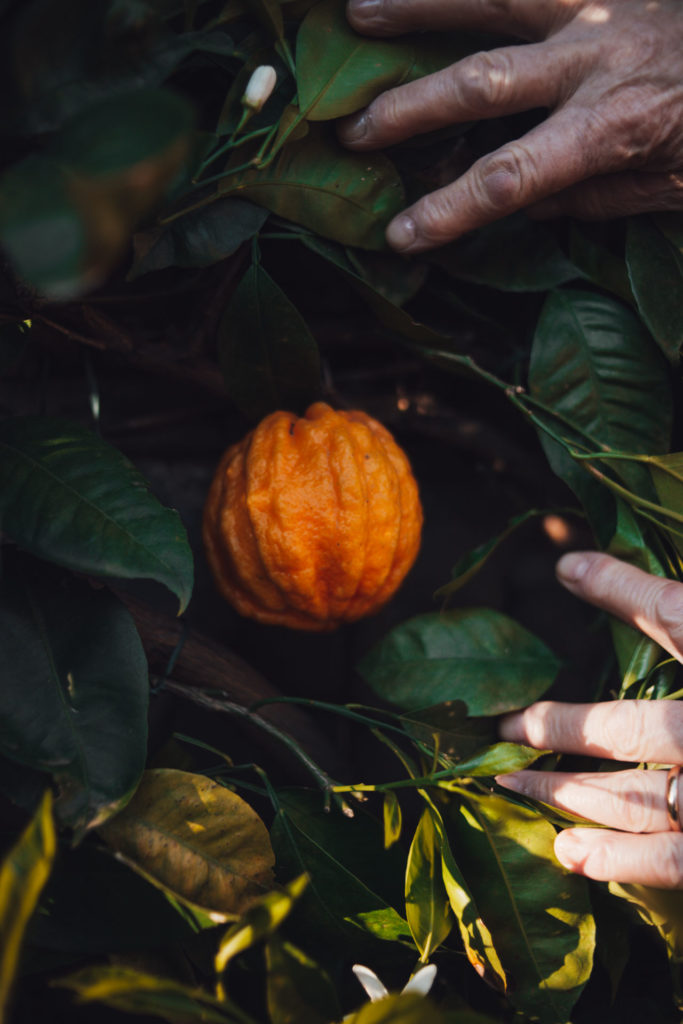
(313, 521)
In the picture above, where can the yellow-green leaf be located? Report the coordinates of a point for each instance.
(428, 910)
(23, 874)
(259, 921)
(393, 819)
(197, 839)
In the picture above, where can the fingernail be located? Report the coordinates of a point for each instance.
(354, 128)
(570, 849)
(513, 780)
(364, 9)
(401, 233)
(571, 567)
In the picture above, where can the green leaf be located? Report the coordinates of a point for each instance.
(449, 729)
(594, 364)
(538, 913)
(655, 271)
(470, 564)
(268, 356)
(662, 909)
(428, 909)
(591, 249)
(69, 497)
(667, 476)
(345, 196)
(259, 921)
(131, 991)
(23, 874)
(512, 255)
(498, 760)
(354, 883)
(393, 819)
(339, 71)
(196, 839)
(198, 239)
(74, 700)
(636, 654)
(398, 1009)
(386, 311)
(475, 935)
(298, 990)
(479, 656)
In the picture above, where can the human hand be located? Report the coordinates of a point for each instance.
(610, 72)
(645, 850)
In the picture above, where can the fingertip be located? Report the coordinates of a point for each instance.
(353, 129)
(401, 233)
(572, 567)
(570, 849)
(511, 727)
(362, 13)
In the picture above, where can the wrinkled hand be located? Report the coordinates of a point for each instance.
(645, 851)
(610, 72)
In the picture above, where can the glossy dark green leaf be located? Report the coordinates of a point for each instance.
(355, 883)
(386, 311)
(599, 261)
(538, 913)
(340, 71)
(23, 874)
(74, 700)
(655, 270)
(198, 239)
(479, 656)
(70, 498)
(470, 564)
(268, 356)
(428, 910)
(513, 255)
(399, 1009)
(594, 364)
(132, 991)
(298, 990)
(346, 196)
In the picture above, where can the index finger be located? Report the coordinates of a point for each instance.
(527, 19)
(651, 603)
(622, 730)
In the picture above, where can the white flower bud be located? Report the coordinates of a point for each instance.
(259, 87)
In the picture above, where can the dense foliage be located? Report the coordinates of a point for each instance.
(163, 872)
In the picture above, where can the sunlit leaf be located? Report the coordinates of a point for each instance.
(660, 908)
(268, 356)
(479, 656)
(428, 909)
(655, 270)
(538, 914)
(498, 759)
(393, 819)
(475, 935)
(195, 838)
(345, 196)
(398, 1009)
(75, 690)
(132, 991)
(340, 71)
(70, 498)
(298, 990)
(23, 874)
(261, 919)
